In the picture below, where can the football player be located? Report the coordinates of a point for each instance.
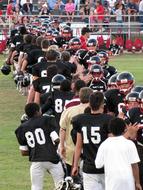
(59, 96)
(135, 115)
(92, 130)
(125, 82)
(104, 58)
(35, 136)
(97, 83)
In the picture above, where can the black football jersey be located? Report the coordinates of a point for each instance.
(99, 85)
(56, 102)
(36, 135)
(114, 48)
(87, 57)
(111, 70)
(94, 130)
(60, 41)
(135, 115)
(42, 85)
(40, 69)
(33, 55)
(113, 99)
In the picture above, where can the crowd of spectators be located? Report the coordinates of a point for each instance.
(93, 11)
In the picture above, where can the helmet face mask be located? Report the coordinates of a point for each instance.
(112, 82)
(125, 82)
(132, 100)
(92, 45)
(75, 44)
(103, 57)
(96, 72)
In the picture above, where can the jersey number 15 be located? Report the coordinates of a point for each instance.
(94, 135)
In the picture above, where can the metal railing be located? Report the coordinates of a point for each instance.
(131, 24)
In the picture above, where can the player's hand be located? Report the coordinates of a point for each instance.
(63, 152)
(138, 186)
(74, 171)
(132, 130)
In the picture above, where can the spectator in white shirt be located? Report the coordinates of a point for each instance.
(119, 158)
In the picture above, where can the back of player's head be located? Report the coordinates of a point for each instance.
(65, 85)
(34, 38)
(51, 55)
(28, 38)
(45, 44)
(31, 109)
(78, 85)
(52, 70)
(117, 126)
(84, 94)
(39, 41)
(96, 100)
(65, 56)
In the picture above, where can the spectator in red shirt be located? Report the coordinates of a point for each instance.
(99, 12)
(10, 7)
(84, 36)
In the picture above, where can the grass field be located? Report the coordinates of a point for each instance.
(14, 169)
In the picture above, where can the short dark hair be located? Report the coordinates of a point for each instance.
(45, 44)
(78, 85)
(84, 94)
(96, 100)
(31, 109)
(85, 30)
(39, 41)
(117, 126)
(51, 55)
(65, 85)
(28, 38)
(65, 56)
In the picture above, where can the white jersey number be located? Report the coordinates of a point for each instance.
(47, 88)
(38, 136)
(95, 135)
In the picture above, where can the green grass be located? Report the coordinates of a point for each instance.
(14, 169)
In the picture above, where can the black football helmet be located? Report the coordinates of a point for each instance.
(137, 89)
(26, 80)
(49, 34)
(96, 72)
(66, 32)
(81, 54)
(91, 44)
(6, 69)
(141, 100)
(112, 82)
(57, 80)
(103, 57)
(75, 43)
(132, 97)
(125, 82)
(93, 60)
(68, 184)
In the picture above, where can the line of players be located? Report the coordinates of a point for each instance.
(58, 67)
